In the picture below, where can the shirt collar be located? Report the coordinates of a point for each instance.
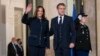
(61, 16)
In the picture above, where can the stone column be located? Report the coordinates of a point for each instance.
(2, 31)
(0, 21)
(89, 7)
(98, 26)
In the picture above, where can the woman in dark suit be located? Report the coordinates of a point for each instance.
(83, 44)
(39, 28)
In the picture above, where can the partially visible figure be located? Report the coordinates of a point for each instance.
(12, 48)
(83, 44)
(20, 47)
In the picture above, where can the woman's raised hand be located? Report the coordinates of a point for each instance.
(28, 8)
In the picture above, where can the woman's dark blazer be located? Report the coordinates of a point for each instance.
(38, 31)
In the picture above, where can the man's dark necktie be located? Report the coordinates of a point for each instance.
(60, 22)
(59, 31)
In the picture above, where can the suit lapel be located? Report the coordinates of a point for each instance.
(64, 21)
(56, 21)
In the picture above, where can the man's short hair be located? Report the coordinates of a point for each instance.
(60, 4)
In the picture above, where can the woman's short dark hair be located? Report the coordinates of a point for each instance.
(35, 14)
(60, 4)
(18, 39)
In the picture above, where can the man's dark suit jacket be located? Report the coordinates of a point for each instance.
(67, 34)
(20, 50)
(11, 50)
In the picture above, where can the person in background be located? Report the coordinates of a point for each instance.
(62, 26)
(12, 48)
(38, 39)
(83, 44)
(20, 47)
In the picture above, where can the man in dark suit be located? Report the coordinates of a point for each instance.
(64, 32)
(12, 48)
